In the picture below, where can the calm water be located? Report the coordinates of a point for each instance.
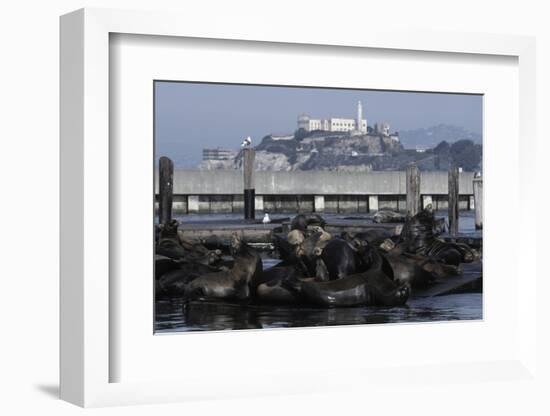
(204, 316)
(173, 317)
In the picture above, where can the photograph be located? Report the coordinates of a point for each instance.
(279, 206)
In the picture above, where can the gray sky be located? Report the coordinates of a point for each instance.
(192, 116)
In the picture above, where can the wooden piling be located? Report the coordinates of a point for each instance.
(249, 188)
(453, 201)
(478, 201)
(166, 189)
(413, 190)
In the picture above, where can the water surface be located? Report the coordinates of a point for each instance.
(205, 316)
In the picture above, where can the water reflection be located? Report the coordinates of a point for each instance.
(202, 316)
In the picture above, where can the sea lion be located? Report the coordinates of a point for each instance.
(387, 245)
(197, 252)
(315, 220)
(416, 270)
(271, 288)
(295, 237)
(172, 283)
(322, 236)
(164, 265)
(301, 222)
(301, 248)
(418, 237)
(373, 237)
(370, 288)
(284, 249)
(340, 258)
(281, 284)
(313, 245)
(168, 242)
(402, 269)
(211, 258)
(232, 284)
(310, 249)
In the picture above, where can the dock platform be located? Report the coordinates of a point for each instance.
(219, 232)
(471, 280)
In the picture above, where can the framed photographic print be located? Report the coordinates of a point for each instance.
(327, 226)
(245, 204)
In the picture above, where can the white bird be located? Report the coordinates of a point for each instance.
(266, 219)
(246, 142)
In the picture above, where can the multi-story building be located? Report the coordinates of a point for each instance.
(357, 125)
(218, 154)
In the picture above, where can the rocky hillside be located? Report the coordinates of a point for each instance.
(432, 136)
(361, 153)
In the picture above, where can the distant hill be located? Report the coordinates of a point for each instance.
(432, 136)
(439, 148)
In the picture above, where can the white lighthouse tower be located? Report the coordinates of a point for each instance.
(361, 124)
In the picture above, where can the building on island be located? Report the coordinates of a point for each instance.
(281, 137)
(218, 154)
(382, 128)
(354, 126)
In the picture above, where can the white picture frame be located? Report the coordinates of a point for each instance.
(86, 304)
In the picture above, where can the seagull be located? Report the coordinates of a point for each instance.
(246, 142)
(266, 219)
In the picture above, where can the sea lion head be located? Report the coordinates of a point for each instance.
(387, 245)
(169, 229)
(295, 237)
(324, 236)
(299, 222)
(236, 243)
(214, 256)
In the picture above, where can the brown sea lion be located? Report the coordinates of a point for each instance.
(302, 222)
(418, 237)
(341, 259)
(278, 283)
(168, 243)
(172, 283)
(370, 288)
(271, 288)
(232, 284)
(417, 270)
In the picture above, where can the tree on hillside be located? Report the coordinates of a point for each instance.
(466, 154)
(442, 147)
(300, 134)
(443, 155)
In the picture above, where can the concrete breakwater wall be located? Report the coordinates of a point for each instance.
(307, 191)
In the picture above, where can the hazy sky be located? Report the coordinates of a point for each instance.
(192, 116)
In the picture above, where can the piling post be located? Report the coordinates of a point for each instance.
(166, 189)
(427, 200)
(319, 203)
(453, 201)
(373, 203)
(249, 187)
(478, 201)
(413, 190)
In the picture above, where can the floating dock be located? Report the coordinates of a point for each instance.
(471, 280)
(219, 233)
